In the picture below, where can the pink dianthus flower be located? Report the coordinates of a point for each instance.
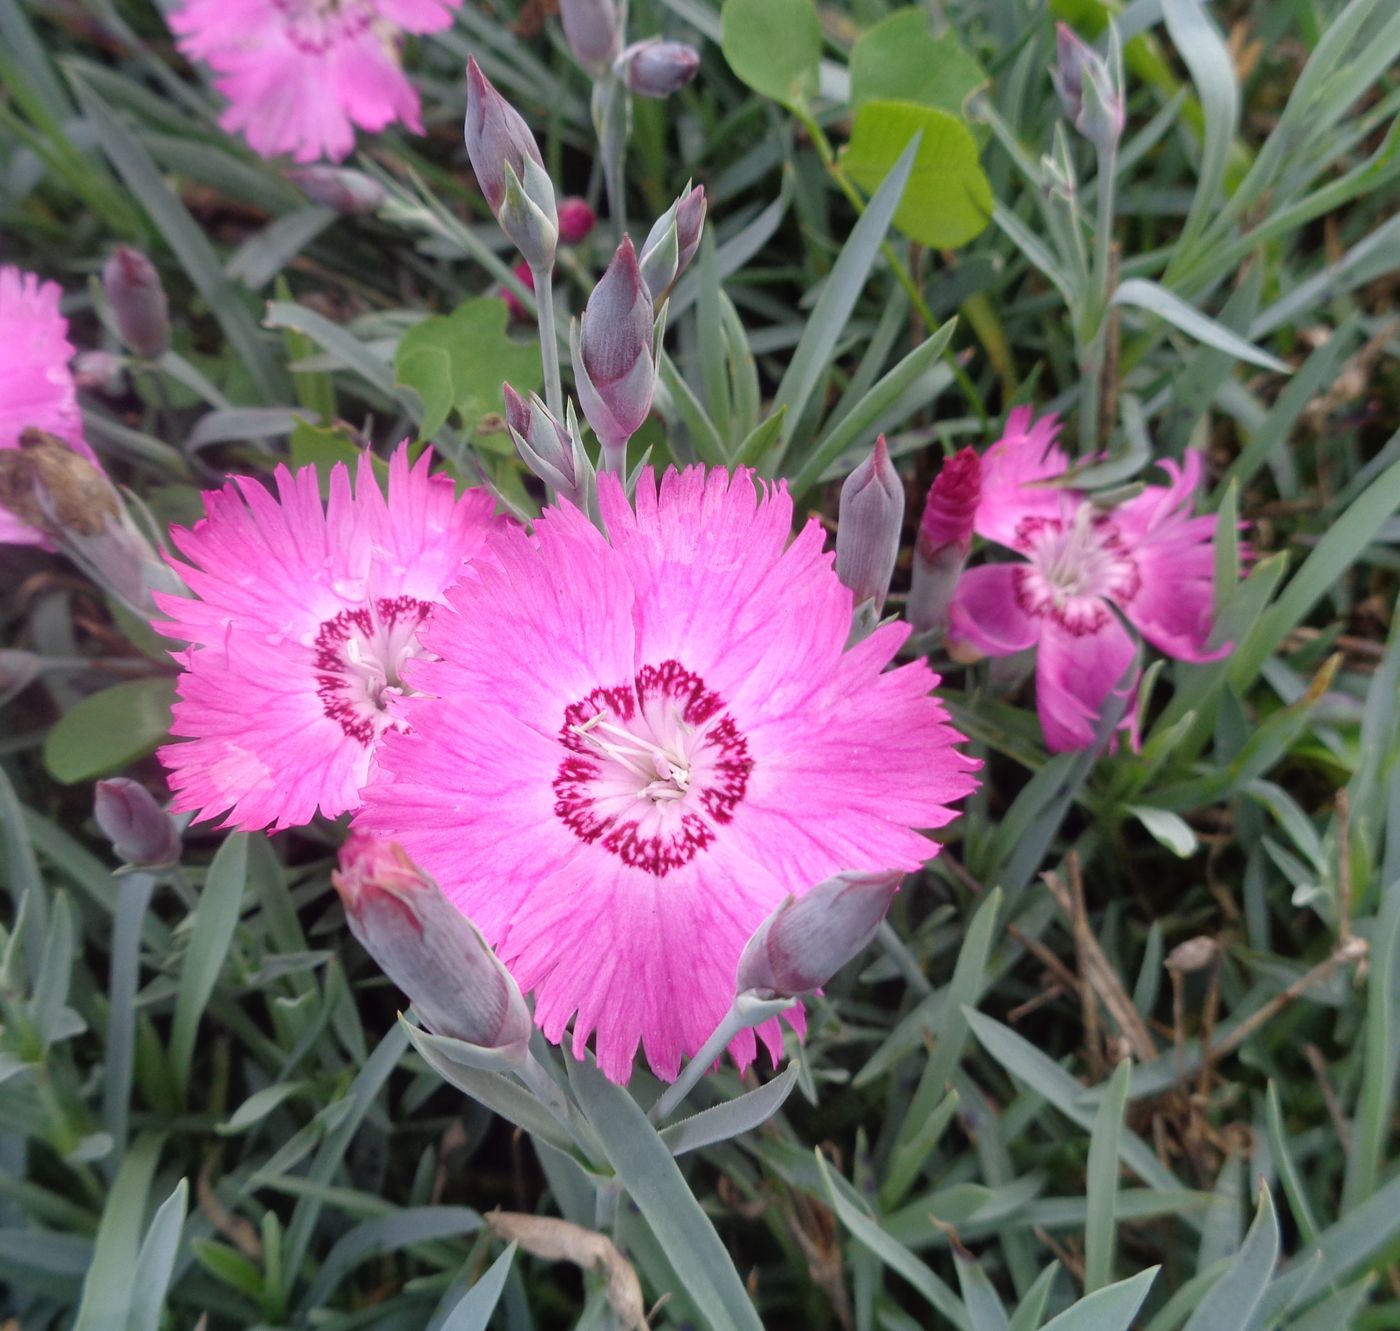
(300, 75)
(36, 385)
(627, 750)
(300, 620)
(1147, 558)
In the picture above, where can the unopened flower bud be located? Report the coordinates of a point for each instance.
(339, 187)
(138, 302)
(593, 30)
(1090, 94)
(869, 522)
(576, 220)
(550, 449)
(510, 170)
(945, 537)
(427, 947)
(672, 242)
(657, 68)
(523, 272)
(614, 362)
(141, 832)
(100, 372)
(803, 943)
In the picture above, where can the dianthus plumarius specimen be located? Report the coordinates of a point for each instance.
(623, 751)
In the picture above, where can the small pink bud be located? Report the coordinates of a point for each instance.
(339, 187)
(803, 943)
(1087, 88)
(427, 947)
(517, 310)
(138, 302)
(550, 449)
(593, 30)
(576, 221)
(657, 68)
(510, 171)
(672, 242)
(614, 364)
(945, 536)
(870, 520)
(140, 831)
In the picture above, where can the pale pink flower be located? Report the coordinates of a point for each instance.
(300, 619)
(627, 750)
(36, 385)
(300, 75)
(1148, 559)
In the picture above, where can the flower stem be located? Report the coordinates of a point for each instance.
(730, 1026)
(549, 340)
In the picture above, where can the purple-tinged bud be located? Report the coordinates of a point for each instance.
(510, 170)
(869, 522)
(1092, 97)
(672, 242)
(339, 187)
(141, 832)
(100, 372)
(945, 537)
(613, 356)
(551, 450)
(576, 220)
(803, 943)
(427, 947)
(657, 68)
(593, 30)
(138, 302)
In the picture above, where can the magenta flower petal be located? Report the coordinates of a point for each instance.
(300, 76)
(626, 751)
(1074, 674)
(36, 386)
(301, 620)
(987, 615)
(1012, 468)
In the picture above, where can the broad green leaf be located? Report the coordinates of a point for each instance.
(774, 46)
(459, 362)
(110, 729)
(899, 59)
(947, 200)
(323, 446)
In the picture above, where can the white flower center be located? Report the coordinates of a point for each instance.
(360, 655)
(1074, 568)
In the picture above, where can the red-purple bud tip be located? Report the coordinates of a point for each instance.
(952, 504)
(138, 302)
(140, 831)
(517, 310)
(576, 221)
(496, 134)
(428, 947)
(657, 68)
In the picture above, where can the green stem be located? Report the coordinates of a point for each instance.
(549, 341)
(1092, 353)
(704, 1059)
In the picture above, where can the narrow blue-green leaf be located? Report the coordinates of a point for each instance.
(215, 918)
(893, 1254)
(124, 974)
(1234, 1299)
(55, 972)
(108, 1288)
(1111, 1309)
(1032, 1308)
(1101, 1184)
(733, 1117)
(655, 1184)
(843, 286)
(1288, 1171)
(156, 1260)
(1142, 294)
(474, 1308)
(185, 238)
(984, 1310)
(344, 346)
